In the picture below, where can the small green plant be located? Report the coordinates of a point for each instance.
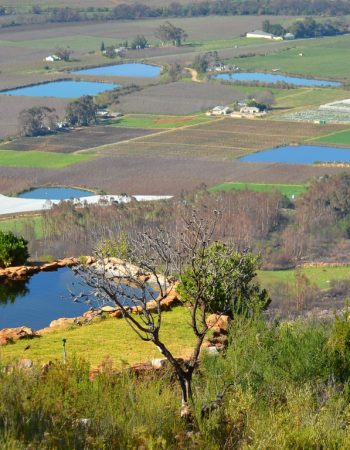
(13, 249)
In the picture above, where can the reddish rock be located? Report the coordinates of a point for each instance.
(218, 323)
(14, 334)
(50, 266)
(62, 322)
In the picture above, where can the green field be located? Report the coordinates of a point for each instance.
(18, 225)
(111, 337)
(321, 276)
(340, 138)
(159, 121)
(289, 190)
(42, 160)
(322, 58)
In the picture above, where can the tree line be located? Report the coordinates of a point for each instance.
(138, 10)
(308, 28)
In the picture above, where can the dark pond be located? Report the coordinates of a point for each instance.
(274, 78)
(55, 193)
(44, 297)
(123, 70)
(38, 300)
(62, 89)
(300, 154)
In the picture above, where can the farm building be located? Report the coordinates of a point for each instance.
(52, 58)
(262, 35)
(342, 106)
(289, 36)
(219, 111)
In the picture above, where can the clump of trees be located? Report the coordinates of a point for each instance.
(37, 121)
(81, 112)
(201, 63)
(167, 32)
(140, 42)
(13, 249)
(64, 53)
(308, 28)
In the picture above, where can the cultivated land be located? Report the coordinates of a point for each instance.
(289, 190)
(72, 141)
(328, 57)
(341, 138)
(168, 161)
(179, 98)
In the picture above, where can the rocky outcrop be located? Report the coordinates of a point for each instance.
(21, 272)
(8, 335)
(219, 325)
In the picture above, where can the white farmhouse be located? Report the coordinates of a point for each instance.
(219, 111)
(258, 34)
(52, 58)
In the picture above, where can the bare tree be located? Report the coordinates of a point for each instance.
(209, 280)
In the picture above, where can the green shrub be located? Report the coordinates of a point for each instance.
(13, 250)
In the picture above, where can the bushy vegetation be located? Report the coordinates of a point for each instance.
(13, 250)
(287, 387)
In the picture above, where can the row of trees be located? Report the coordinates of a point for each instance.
(41, 120)
(308, 28)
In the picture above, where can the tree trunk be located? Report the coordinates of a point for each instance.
(186, 389)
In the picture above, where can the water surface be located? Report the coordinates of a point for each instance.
(123, 70)
(63, 89)
(38, 300)
(44, 297)
(274, 78)
(300, 154)
(55, 193)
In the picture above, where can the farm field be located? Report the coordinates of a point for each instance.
(339, 138)
(178, 98)
(18, 225)
(40, 160)
(289, 190)
(167, 161)
(321, 58)
(79, 139)
(159, 121)
(321, 276)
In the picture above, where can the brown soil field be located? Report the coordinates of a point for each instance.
(222, 139)
(152, 175)
(198, 28)
(10, 108)
(80, 139)
(169, 162)
(178, 98)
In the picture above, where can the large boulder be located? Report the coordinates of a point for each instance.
(63, 322)
(13, 334)
(219, 323)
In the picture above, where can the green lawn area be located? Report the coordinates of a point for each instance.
(341, 138)
(111, 337)
(44, 160)
(322, 58)
(159, 121)
(289, 190)
(318, 275)
(17, 225)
